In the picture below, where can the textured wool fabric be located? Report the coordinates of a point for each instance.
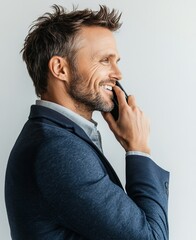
(60, 186)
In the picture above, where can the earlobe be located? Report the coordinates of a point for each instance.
(58, 67)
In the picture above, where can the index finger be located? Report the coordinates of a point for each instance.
(120, 95)
(131, 101)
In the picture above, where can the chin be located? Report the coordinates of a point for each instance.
(108, 107)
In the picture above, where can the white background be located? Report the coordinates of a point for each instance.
(157, 44)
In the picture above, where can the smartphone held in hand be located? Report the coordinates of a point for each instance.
(115, 110)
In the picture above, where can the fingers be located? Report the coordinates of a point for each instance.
(132, 101)
(132, 127)
(122, 100)
(120, 96)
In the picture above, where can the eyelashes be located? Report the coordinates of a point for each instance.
(105, 60)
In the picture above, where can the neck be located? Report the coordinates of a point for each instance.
(68, 102)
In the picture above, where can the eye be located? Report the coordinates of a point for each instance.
(105, 60)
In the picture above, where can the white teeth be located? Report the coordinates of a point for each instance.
(107, 87)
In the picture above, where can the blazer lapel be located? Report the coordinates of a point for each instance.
(48, 115)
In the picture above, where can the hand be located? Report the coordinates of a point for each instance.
(132, 127)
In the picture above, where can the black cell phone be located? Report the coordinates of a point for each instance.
(115, 111)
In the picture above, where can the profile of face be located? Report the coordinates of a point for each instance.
(96, 70)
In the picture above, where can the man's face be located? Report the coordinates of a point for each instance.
(96, 70)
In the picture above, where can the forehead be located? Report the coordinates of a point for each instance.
(98, 41)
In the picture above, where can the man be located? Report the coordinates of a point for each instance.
(59, 185)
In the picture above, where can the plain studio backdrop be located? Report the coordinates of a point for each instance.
(157, 44)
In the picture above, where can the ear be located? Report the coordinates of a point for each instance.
(59, 68)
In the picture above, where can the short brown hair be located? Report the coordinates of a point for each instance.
(55, 33)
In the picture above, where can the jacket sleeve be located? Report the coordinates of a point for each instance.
(147, 185)
(75, 184)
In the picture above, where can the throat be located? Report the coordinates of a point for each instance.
(83, 110)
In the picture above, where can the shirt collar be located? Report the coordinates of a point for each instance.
(89, 127)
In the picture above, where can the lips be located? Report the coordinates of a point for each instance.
(107, 87)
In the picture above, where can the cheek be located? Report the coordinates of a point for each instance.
(94, 76)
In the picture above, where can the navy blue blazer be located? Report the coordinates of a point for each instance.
(60, 186)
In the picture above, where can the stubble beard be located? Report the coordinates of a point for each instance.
(91, 101)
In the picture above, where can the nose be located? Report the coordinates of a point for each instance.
(115, 73)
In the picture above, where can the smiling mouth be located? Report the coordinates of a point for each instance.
(107, 87)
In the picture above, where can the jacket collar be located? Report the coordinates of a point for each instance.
(40, 112)
(45, 114)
